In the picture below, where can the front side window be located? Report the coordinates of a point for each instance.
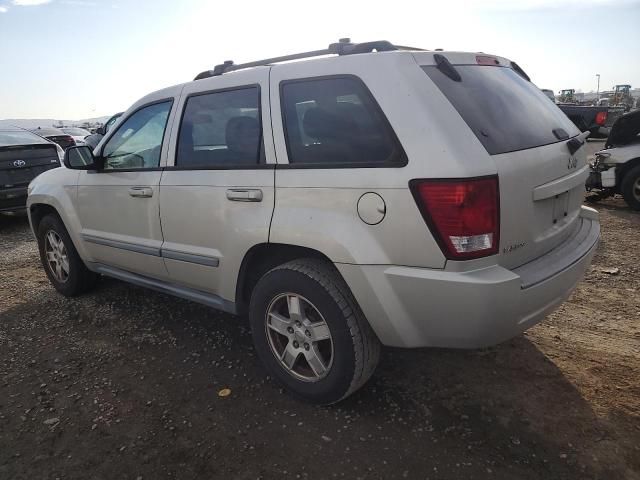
(221, 129)
(138, 141)
(111, 121)
(333, 121)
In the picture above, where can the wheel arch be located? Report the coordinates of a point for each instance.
(624, 169)
(42, 206)
(37, 211)
(261, 258)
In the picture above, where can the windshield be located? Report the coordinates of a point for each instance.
(10, 138)
(505, 111)
(77, 132)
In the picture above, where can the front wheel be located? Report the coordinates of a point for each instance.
(630, 188)
(310, 333)
(62, 264)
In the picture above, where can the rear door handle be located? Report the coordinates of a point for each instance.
(141, 192)
(244, 195)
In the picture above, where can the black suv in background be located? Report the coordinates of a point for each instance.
(23, 156)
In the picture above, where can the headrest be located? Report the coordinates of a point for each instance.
(242, 131)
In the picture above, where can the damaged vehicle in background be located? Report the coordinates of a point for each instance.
(616, 168)
(23, 156)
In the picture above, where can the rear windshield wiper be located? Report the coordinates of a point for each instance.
(520, 71)
(445, 66)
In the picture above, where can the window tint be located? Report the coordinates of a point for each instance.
(336, 121)
(221, 129)
(138, 141)
(505, 111)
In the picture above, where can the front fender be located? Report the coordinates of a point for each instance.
(57, 189)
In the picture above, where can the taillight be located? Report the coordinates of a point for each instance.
(463, 215)
(601, 118)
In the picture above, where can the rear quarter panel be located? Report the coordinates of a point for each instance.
(317, 207)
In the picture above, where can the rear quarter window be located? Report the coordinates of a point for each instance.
(506, 112)
(335, 121)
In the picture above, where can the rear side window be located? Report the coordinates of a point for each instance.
(221, 129)
(335, 121)
(505, 111)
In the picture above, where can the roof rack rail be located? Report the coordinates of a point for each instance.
(342, 47)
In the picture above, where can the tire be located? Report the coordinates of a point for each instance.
(78, 279)
(349, 356)
(630, 188)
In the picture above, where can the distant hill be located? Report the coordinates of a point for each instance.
(47, 122)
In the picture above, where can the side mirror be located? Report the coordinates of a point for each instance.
(101, 130)
(80, 158)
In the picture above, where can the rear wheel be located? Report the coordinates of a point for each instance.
(630, 188)
(62, 264)
(309, 331)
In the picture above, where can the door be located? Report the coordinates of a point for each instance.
(118, 206)
(217, 192)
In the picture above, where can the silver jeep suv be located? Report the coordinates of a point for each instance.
(379, 195)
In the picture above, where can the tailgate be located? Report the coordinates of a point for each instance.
(541, 178)
(541, 193)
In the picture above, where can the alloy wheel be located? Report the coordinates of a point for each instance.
(56, 255)
(299, 337)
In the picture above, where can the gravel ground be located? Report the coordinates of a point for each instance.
(123, 383)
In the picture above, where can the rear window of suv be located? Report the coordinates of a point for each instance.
(505, 111)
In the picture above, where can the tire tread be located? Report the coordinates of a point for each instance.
(366, 344)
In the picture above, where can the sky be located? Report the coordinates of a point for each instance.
(75, 59)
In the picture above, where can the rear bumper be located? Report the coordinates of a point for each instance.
(13, 199)
(417, 307)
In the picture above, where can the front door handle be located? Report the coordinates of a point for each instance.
(244, 195)
(141, 192)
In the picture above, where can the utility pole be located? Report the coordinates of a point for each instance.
(598, 91)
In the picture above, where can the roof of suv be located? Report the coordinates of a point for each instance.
(339, 52)
(345, 47)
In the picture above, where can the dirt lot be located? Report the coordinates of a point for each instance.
(123, 383)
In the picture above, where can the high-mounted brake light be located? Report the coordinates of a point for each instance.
(462, 214)
(601, 118)
(487, 60)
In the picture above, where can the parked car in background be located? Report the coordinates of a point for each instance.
(596, 120)
(56, 135)
(93, 139)
(616, 169)
(447, 218)
(23, 156)
(78, 134)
